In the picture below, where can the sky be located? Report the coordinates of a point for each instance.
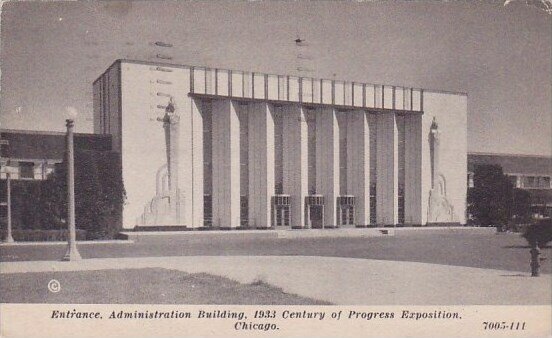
(51, 52)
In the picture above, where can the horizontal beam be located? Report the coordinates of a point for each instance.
(305, 104)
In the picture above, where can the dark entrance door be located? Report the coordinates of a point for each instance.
(347, 217)
(316, 216)
(282, 215)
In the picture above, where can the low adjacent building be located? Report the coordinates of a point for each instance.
(528, 172)
(32, 155)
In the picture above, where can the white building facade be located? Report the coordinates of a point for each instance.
(205, 147)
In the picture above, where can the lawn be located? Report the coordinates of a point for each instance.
(141, 286)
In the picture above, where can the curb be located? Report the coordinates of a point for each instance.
(127, 241)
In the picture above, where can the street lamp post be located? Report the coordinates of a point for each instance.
(9, 237)
(72, 253)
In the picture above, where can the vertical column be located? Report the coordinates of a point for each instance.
(243, 112)
(295, 161)
(197, 187)
(226, 164)
(387, 169)
(358, 169)
(343, 119)
(311, 161)
(178, 143)
(278, 150)
(413, 169)
(189, 152)
(327, 162)
(261, 163)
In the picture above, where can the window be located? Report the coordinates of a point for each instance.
(346, 200)
(514, 180)
(26, 170)
(207, 210)
(351, 215)
(470, 180)
(536, 182)
(282, 214)
(281, 210)
(373, 201)
(281, 200)
(346, 207)
(244, 211)
(279, 188)
(401, 205)
(315, 200)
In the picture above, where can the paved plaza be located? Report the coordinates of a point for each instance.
(336, 280)
(441, 266)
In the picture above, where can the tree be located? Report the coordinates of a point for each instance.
(539, 233)
(521, 206)
(490, 199)
(99, 193)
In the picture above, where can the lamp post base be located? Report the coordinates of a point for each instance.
(72, 254)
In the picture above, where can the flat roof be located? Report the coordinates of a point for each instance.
(513, 163)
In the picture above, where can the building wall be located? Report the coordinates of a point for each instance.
(450, 112)
(141, 134)
(106, 104)
(395, 129)
(32, 155)
(96, 105)
(144, 92)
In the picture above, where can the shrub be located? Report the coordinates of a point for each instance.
(539, 232)
(42, 235)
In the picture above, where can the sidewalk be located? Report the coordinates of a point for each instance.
(107, 241)
(312, 233)
(341, 280)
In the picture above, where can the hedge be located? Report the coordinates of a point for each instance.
(42, 235)
(99, 197)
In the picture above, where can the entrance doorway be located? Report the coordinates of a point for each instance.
(346, 210)
(316, 213)
(281, 216)
(314, 207)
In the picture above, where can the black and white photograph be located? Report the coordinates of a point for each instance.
(276, 168)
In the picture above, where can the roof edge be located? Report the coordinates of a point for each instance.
(47, 132)
(176, 65)
(117, 61)
(508, 154)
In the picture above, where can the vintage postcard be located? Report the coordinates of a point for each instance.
(278, 169)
